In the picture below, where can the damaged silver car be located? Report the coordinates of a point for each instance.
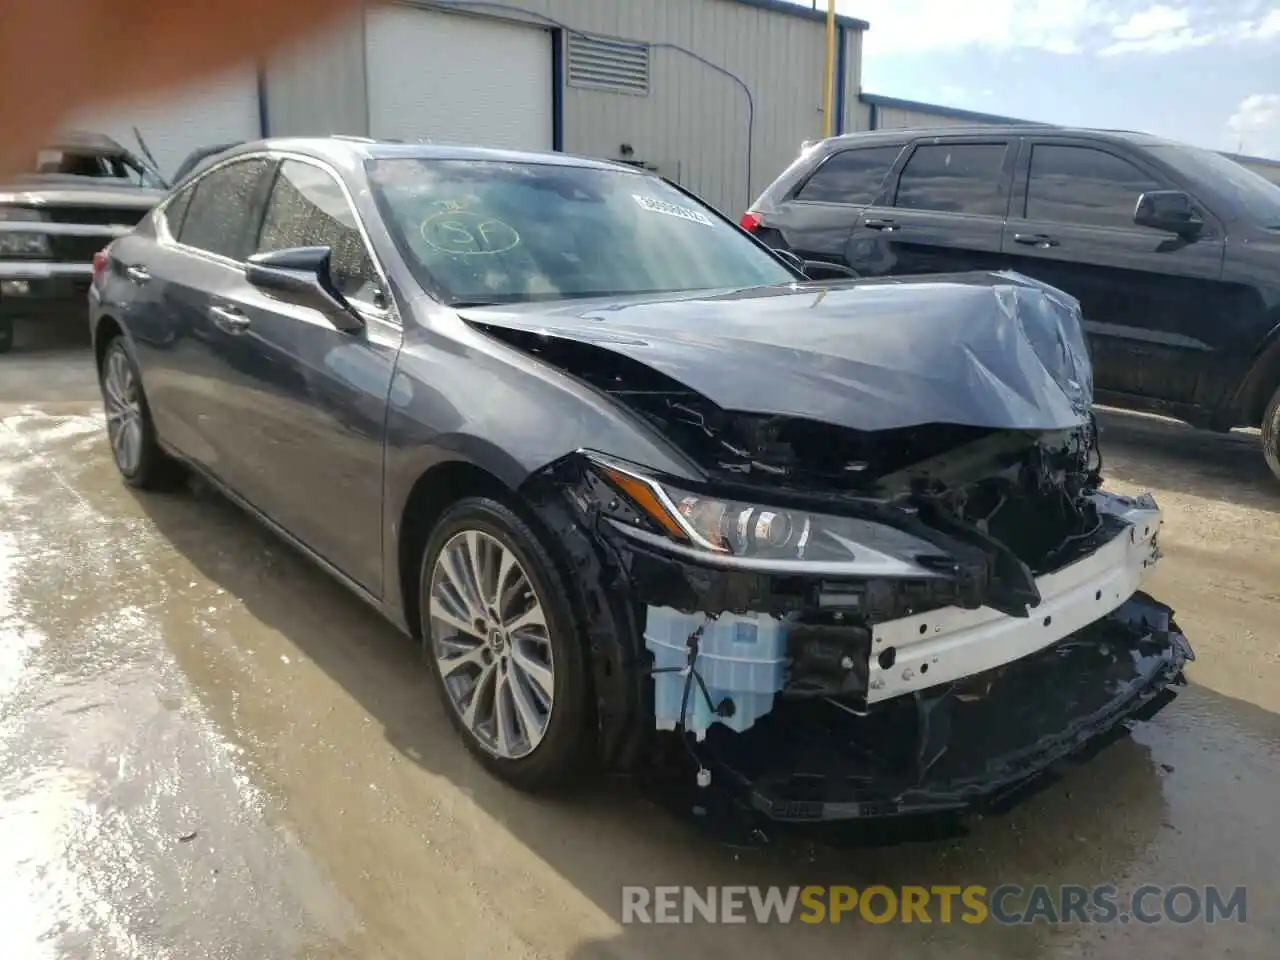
(636, 482)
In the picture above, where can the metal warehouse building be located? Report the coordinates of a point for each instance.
(715, 94)
(718, 95)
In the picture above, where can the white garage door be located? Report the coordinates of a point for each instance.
(449, 78)
(218, 111)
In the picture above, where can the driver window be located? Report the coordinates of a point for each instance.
(1081, 185)
(307, 208)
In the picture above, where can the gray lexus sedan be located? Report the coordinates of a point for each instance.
(644, 489)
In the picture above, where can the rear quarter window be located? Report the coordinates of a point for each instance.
(852, 176)
(175, 211)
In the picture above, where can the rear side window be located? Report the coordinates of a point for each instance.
(954, 178)
(850, 176)
(176, 211)
(1083, 185)
(308, 209)
(221, 209)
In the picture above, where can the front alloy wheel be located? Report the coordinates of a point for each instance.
(502, 641)
(491, 644)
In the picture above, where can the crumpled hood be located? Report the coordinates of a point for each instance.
(1000, 351)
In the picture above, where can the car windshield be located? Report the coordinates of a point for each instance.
(1252, 193)
(481, 232)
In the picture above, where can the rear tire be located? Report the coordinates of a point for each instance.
(6, 336)
(130, 429)
(1271, 434)
(537, 738)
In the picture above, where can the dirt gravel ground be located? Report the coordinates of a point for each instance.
(209, 750)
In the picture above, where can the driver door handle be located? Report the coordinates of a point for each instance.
(879, 223)
(230, 319)
(1041, 240)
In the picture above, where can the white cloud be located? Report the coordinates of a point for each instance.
(1157, 29)
(1100, 27)
(1163, 29)
(1255, 125)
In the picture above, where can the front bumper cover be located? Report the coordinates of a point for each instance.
(962, 746)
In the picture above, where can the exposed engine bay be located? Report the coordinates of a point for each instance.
(852, 621)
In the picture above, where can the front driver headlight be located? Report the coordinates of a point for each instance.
(760, 535)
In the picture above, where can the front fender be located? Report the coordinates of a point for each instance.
(1260, 380)
(490, 406)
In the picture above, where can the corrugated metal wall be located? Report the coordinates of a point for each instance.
(694, 122)
(895, 118)
(317, 86)
(857, 115)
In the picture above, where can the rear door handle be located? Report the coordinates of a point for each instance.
(878, 223)
(1041, 240)
(137, 273)
(229, 319)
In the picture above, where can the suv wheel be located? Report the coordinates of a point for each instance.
(6, 336)
(130, 429)
(503, 645)
(1271, 434)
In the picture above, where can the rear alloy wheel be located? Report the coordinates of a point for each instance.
(503, 646)
(132, 435)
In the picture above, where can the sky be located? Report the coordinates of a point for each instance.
(1202, 71)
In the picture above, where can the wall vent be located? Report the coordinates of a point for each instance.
(602, 64)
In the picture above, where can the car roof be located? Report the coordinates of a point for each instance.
(1135, 137)
(348, 152)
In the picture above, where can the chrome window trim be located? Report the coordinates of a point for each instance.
(389, 315)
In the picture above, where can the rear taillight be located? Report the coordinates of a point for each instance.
(99, 265)
(751, 221)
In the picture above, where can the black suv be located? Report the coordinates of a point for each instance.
(1172, 251)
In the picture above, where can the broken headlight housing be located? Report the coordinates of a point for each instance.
(734, 532)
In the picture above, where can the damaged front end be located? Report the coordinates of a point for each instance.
(851, 622)
(884, 666)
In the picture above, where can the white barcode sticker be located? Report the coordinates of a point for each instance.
(654, 205)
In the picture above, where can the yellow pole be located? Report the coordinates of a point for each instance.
(828, 109)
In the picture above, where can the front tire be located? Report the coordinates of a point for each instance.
(130, 429)
(503, 645)
(6, 336)
(1271, 434)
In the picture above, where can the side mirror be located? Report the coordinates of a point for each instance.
(1169, 210)
(821, 270)
(300, 275)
